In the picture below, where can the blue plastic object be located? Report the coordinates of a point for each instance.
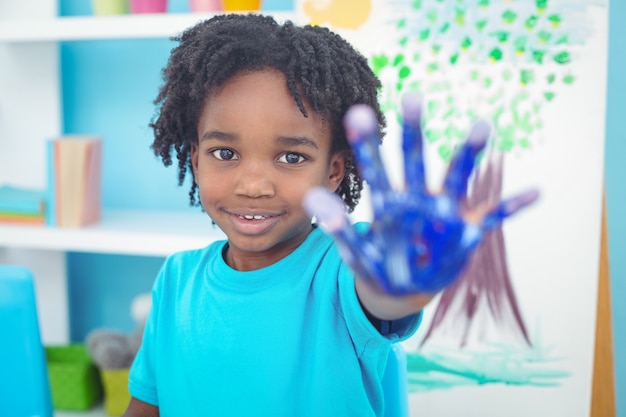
(24, 386)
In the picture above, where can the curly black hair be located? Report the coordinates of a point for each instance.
(320, 67)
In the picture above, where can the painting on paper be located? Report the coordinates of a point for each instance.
(514, 335)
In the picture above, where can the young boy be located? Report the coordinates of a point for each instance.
(272, 321)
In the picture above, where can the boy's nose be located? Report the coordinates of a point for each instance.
(254, 181)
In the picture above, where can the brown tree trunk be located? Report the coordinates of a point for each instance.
(485, 283)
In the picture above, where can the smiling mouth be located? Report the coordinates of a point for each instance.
(255, 217)
(253, 224)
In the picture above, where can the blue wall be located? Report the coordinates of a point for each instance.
(615, 172)
(108, 88)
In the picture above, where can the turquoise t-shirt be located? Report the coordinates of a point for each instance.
(287, 340)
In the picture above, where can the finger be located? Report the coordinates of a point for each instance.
(330, 212)
(508, 208)
(463, 163)
(413, 143)
(362, 131)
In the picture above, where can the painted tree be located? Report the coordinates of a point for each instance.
(500, 60)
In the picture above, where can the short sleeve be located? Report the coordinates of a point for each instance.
(142, 377)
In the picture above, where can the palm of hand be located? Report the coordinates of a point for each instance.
(418, 242)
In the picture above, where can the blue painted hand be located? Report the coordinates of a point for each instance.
(418, 241)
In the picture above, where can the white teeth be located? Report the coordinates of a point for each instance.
(251, 217)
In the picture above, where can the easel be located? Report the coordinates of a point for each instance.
(603, 387)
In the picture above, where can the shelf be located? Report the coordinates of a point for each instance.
(161, 25)
(149, 233)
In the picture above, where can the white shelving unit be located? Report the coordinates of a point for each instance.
(105, 27)
(149, 233)
(31, 112)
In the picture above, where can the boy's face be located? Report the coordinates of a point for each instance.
(256, 157)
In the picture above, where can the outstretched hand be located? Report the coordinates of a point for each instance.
(418, 241)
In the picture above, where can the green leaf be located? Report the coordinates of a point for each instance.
(496, 54)
(531, 22)
(501, 35)
(432, 135)
(445, 116)
(432, 107)
(549, 96)
(404, 72)
(541, 5)
(544, 36)
(568, 79)
(507, 140)
(520, 44)
(480, 25)
(445, 152)
(563, 40)
(562, 57)
(524, 143)
(432, 67)
(555, 19)
(509, 16)
(431, 16)
(526, 76)
(379, 62)
(466, 43)
(398, 59)
(459, 17)
(538, 56)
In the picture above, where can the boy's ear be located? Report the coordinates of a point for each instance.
(337, 170)
(194, 159)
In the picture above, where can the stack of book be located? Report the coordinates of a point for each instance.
(74, 180)
(20, 205)
(72, 197)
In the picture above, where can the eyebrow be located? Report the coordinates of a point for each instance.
(285, 140)
(297, 141)
(218, 135)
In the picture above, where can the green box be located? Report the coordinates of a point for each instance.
(74, 378)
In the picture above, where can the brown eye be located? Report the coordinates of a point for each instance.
(224, 154)
(291, 158)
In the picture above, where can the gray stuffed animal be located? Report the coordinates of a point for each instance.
(113, 349)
